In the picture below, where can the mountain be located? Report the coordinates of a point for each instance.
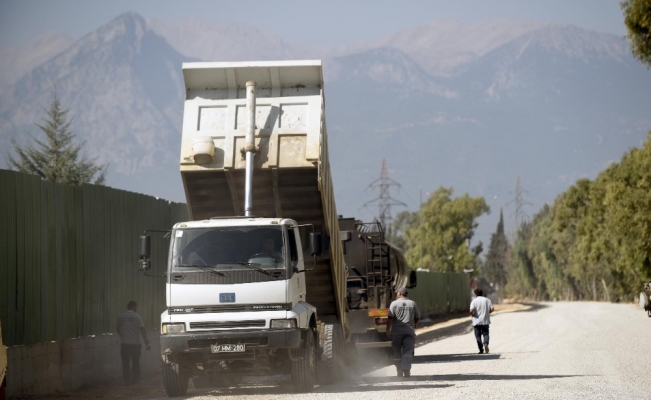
(16, 61)
(225, 42)
(124, 86)
(550, 106)
(442, 46)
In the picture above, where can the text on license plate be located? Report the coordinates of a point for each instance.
(227, 348)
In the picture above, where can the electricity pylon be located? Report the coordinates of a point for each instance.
(384, 201)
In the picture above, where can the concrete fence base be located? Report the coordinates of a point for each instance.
(69, 364)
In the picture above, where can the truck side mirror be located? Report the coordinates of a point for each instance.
(413, 279)
(145, 252)
(145, 246)
(315, 244)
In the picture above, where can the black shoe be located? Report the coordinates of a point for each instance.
(406, 373)
(481, 351)
(399, 372)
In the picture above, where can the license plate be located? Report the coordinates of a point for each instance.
(227, 348)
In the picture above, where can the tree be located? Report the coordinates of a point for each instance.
(441, 240)
(637, 17)
(403, 221)
(56, 158)
(495, 266)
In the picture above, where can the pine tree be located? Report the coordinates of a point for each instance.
(57, 158)
(495, 266)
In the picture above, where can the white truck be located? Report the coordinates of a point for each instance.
(256, 281)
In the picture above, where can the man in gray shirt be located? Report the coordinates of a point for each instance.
(403, 319)
(130, 327)
(480, 310)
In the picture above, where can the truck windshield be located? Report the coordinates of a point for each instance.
(228, 248)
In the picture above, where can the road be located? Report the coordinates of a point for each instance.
(550, 351)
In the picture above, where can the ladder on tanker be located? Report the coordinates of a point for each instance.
(378, 274)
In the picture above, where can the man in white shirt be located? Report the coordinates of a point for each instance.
(480, 310)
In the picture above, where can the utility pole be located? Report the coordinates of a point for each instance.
(384, 201)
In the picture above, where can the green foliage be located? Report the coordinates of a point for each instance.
(594, 242)
(439, 240)
(56, 158)
(497, 259)
(401, 222)
(637, 17)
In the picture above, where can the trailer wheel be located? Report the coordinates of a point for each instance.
(175, 380)
(331, 365)
(303, 369)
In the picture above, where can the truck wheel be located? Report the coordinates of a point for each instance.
(331, 366)
(303, 369)
(644, 301)
(174, 380)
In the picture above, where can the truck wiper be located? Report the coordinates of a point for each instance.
(252, 266)
(205, 268)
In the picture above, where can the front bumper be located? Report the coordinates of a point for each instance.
(193, 342)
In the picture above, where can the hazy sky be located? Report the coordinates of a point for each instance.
(324, 23)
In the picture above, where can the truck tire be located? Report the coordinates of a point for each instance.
(331, 365)
(174, 380)
(303, 369)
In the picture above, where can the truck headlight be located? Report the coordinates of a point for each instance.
(283, 323)
(172, 328)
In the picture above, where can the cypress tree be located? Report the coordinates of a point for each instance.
(497, 257)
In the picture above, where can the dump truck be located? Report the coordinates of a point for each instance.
(259, 280)
(256, 281)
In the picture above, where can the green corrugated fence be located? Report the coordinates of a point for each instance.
(440, 293)
(68, 257)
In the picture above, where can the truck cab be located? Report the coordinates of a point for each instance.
(235, 298)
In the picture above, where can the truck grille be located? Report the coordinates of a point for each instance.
(248, 341)
(257, 323)
(229, 308)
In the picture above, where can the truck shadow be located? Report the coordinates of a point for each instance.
(345, 387)
(377, 384)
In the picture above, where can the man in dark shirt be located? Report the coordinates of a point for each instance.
(130, 327)
(403, 319)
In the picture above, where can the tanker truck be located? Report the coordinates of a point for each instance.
(256, 281)
(376, 269)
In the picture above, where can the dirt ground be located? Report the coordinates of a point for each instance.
(151, 386)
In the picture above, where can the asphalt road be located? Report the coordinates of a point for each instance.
(551, 351)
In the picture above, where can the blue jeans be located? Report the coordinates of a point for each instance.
(481, 330)
(403, 350)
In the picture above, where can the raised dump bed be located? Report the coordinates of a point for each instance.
(291, 177)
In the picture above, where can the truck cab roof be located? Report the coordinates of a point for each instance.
(235, 221)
